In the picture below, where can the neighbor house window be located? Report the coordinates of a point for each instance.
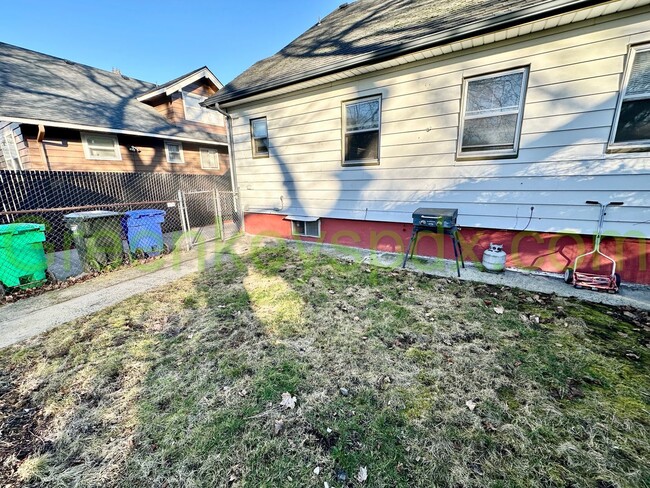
(305, 228)
(491, 114)
(196, 113)
(260, 137)
(174, 152)
(101, 146)
(361, 127)
(9, 150)
(209, 158)
(632, 120)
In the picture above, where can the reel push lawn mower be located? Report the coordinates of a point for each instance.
(579, 279)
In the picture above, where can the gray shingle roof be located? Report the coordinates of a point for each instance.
(36, 86)
(368, 31)
(171, 82)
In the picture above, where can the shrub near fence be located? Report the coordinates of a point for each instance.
(46, 196)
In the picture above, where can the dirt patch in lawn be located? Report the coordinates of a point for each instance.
(23, 427)
(296, 369)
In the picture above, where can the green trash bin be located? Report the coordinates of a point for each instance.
(22, 258)
(98, 238)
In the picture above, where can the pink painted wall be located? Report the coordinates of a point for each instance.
(529, 250)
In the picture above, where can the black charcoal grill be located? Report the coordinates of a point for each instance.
(439, 221)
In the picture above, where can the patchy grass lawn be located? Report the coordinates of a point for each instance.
(416, 378)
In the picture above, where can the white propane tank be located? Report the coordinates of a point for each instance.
(494, 258)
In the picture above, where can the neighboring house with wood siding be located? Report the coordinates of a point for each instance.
(515, 112)
(58, 115)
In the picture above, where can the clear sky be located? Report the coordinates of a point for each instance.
(158, 40)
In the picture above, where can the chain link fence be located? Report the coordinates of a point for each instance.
(58, 224)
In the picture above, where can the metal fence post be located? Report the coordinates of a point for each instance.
(219, 215)
(240, 212)
(182, 210)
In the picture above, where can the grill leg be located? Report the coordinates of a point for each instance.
(460, 250)
(408, 250)
(455, 244)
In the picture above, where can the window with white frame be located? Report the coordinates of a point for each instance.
(491, 114)
(260, 138)
(101, 146)
(306, 228)
(196, 113)
(361, 130)
(9, 150)
(209, 158)
(631, 126)
(174, 152)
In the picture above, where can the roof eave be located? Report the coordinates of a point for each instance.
(183, 82)
(108, 130)
(530, 14)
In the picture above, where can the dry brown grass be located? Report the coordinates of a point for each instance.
(182, 387)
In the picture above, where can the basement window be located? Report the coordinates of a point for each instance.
(361, 128)
(631, 128)
(304, 226)
(101, 146)
(174, 152)
(260, 138)
(491, 114)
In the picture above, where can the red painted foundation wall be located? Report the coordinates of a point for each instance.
(527, 250)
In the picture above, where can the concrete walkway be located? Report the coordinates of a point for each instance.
(32, 316)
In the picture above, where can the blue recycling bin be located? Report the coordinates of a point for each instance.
(143, 231)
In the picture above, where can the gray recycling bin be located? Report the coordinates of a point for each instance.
(98, 238)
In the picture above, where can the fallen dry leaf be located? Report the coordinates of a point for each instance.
(499, 310)
(362, 475)
(288, 401)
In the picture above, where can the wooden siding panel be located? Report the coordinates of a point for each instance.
(575, 74)
(64, 151)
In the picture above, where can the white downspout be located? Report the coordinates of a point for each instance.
(231, 151)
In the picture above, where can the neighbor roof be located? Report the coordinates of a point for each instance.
(369, 31)
(182, 81)
(38, 88)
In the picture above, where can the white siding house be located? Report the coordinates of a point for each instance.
(517, 128)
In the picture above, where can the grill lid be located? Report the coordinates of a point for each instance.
(435, 217)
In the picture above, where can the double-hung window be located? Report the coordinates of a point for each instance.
(491, 114)
(209, 158)
(9, 150)
(101, 146)
(260, 138)
(196, 113)
(174, 152)
(361, 130)
(631, 128)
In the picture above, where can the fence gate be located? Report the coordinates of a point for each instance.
(209, 215)
(230, 213)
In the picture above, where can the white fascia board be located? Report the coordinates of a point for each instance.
(108, 130)
(179, 85)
